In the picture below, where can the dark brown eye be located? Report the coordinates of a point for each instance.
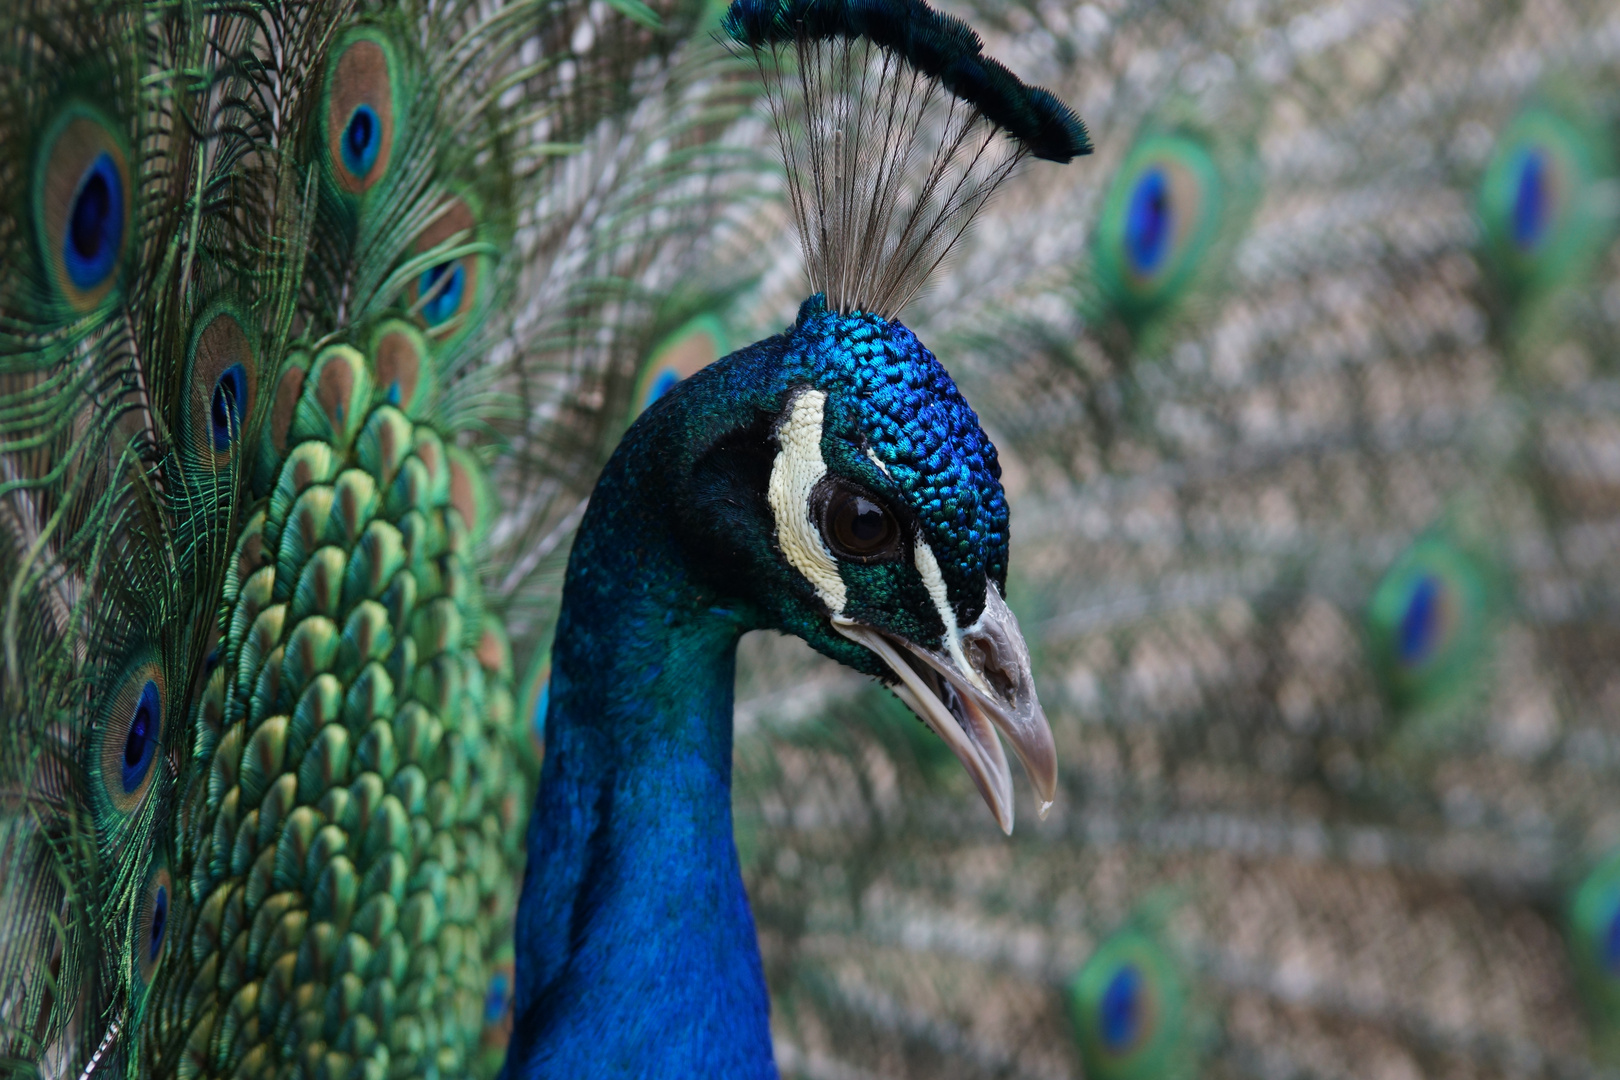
(858, 528)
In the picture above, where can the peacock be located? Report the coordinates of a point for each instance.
(315, 321)
(1301, 393)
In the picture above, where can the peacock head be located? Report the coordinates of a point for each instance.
(882, 500)
(872, 524)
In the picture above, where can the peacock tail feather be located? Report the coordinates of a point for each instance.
(1172, 213)
(265, 776)
(1130, 1009)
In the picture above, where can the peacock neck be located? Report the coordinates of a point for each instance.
(636, 952)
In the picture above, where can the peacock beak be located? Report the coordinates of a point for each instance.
(981, 684)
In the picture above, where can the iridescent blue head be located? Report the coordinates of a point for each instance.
(915, 423)
(839, 488)
(828, 482)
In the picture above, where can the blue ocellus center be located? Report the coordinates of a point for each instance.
(225, 410)
(449, 279)
(663, 384)
(495, 999)
(1120, 1016)
(1609, 945)
(95, 224)
(141, 741)
(1532, 209)
(1419, 632)
(362, 139)
(1149, 222)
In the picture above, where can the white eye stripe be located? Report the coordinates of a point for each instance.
(934, 581)
(794, 474)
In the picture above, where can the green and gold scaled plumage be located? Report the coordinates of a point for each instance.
(362, 809)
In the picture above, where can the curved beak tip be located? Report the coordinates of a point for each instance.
(973, 708)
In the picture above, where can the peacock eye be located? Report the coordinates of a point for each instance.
(1121, 1012)
(1532, 204)
(446, 301)
(1148, 225)
(152, 927)
(95, 232)
(140, 744)
(362, 138)
(225, 408)
(856, 527)
(1422, 624)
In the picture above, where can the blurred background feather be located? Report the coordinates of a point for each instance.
(1305, 382)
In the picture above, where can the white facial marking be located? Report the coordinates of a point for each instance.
(797, 469)
(934, 581)
(872, 455)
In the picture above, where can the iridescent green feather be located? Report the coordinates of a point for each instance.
(111, 527)
(361, 778)
(1593, 930)
(1131, 1010)
(262, 781)
(1430, 622)
(1547, 214)
(1171, 215)
(360, 821)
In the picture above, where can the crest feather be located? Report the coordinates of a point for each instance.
(895, 129)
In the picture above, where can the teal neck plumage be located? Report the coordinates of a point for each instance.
(636, 950)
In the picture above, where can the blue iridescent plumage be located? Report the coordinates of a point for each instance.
(675, 560)
(918, 423)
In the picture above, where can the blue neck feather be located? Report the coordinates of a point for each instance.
(636, 950)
